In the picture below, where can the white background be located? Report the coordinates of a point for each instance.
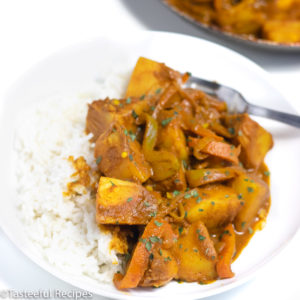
(30, 30)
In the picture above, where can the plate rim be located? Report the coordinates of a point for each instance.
(121, 295)
(217, 31)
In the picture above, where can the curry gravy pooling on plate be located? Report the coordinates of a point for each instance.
(183, 181)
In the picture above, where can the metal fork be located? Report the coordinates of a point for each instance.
(236, 103)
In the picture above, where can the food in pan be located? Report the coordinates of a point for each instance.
(273, 20)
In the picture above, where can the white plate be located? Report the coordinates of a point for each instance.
(77, 66)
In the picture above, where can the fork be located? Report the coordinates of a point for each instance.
(236, 103)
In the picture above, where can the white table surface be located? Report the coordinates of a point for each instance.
(31, 30)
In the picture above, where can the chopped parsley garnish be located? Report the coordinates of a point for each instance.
(246, 179)
(142, 97)
(240, 196)
(180, 229)
(226, 196)
(130, 157)
(98, 160)
(267, 173)
(240, 133)
(250, 189)
(112, 184)
(200, 209)
(165, 122)
(152, 214)
(199, 199)
(152, 108)
(187, 196)
(134, 114)
(160, 252)
(185, 214)
(147, 204)
(158, 224)
(250, 230)
(175, 113)
(231, 130)
(243, 224)
(201, 237)
(143, 240)
(155, 239)
(128, 100)
(148, 245)
(125, 131)
(176, 193)
(185, 164)
(158, 91)
(129, 199)
(212, 203)
(205, 177)
(167, 258)
(227, 173)
(194, 193)
(189, 74)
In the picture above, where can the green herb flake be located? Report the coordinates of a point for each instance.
(147, 204)
(200, 209)
(160, 252)
(242, 202)
(227, 173)
(246, 179)
(158, 91)
(165, 122)
(134, 114)
(158, 224)
(185, 164)
(231, 130)
(153, 214)
(154, 239)
(128, 100)
(112, 184)
(130, 157)
(199, 199)
(189, 74)
(180, 246)
(180, 230)
(143, 240)
(98, 160)
(176, 193)
(194, 193)
(250, 189)
(201, 237)
(175, 113)
(213, 257)
(185, 214)
(212, 202)
(195, 250)
(205, 177)
(240, 133)
(240, 196)
(142, 97)
(152, 108)
(129, 199)
(168, 258)
(243, 224)
(226, 196)
(125, 131)
(151, 256)
(250, 230)
(187, 196)
(148, 245)
(267, 173)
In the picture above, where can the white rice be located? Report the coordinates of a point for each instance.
(62, 229)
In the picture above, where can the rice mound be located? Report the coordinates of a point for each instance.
(63, 229)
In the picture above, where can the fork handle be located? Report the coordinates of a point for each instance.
(290, 119)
